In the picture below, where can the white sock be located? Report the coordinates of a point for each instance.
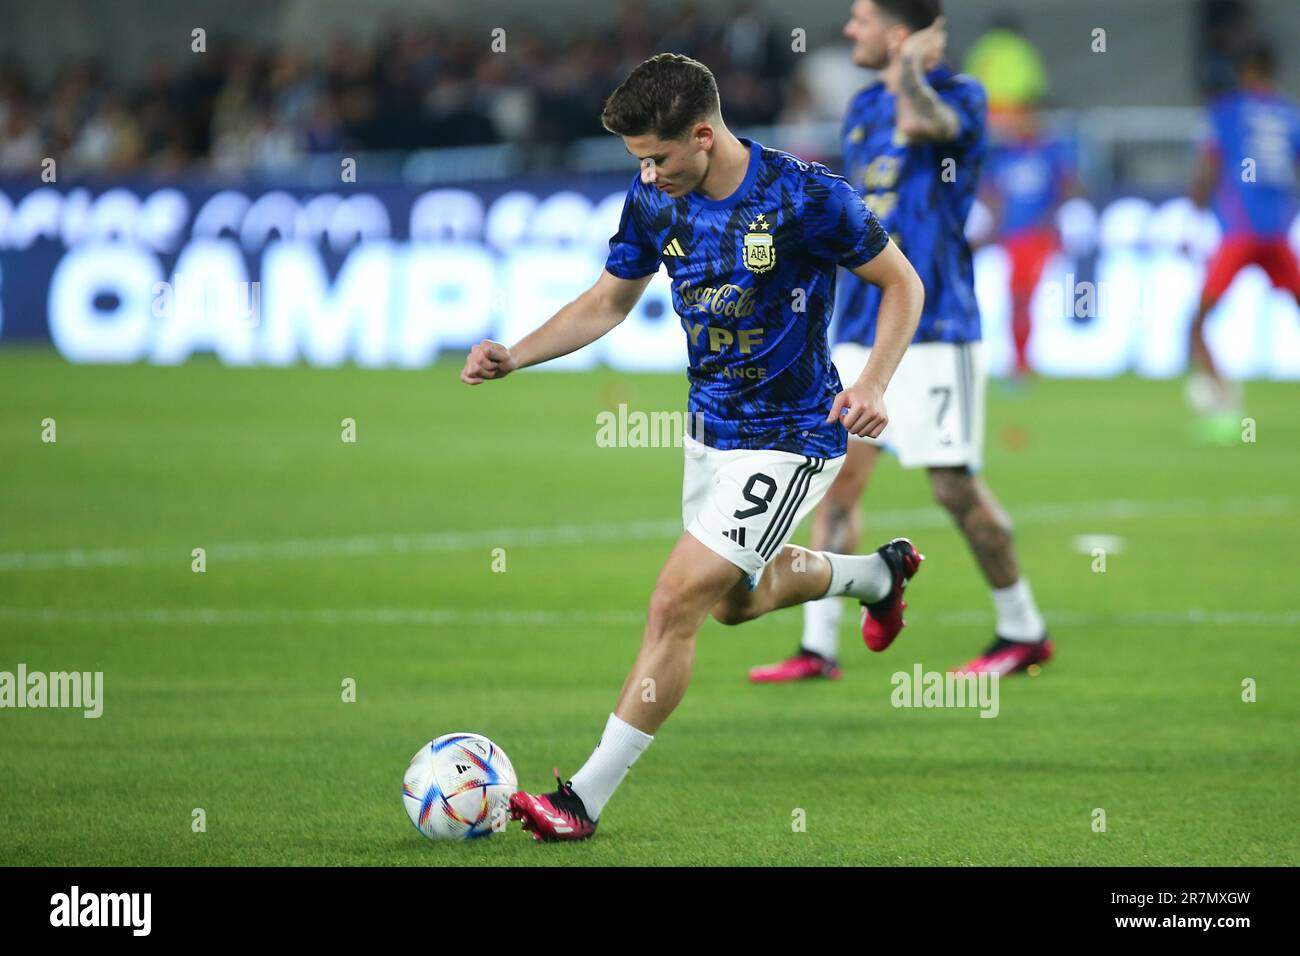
(863, 576)
(1018, 617)
(1208, 396)
(619, 746)
(821, 626)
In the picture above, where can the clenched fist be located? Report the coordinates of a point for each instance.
(861, 410)
(487, 360)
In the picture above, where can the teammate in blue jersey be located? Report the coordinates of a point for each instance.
(751, 238)
(1027, 176)
(1256, 130)
(913, 144)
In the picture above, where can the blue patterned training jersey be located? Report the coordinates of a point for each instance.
(753, 280)
(922, 194)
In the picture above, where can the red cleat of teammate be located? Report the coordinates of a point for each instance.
(1005, 657)
(805, 665)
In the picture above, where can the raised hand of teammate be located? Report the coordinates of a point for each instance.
(928, 45)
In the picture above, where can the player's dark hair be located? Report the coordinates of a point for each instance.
(913, 14)
(1257, 55)
(666, 95)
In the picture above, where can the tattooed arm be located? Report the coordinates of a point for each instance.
(922, 115)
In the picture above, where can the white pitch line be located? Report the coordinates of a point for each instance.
(237, 617)
(435, 617)
(901, 520)
(1191, 617)
(352, 547)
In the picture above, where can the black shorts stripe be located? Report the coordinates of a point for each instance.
(795, 493)
(794, 508)
(785, 498)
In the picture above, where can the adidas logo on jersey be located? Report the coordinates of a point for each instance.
(737, 535)
(674, 248)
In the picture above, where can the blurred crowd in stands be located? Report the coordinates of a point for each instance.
(239, 106)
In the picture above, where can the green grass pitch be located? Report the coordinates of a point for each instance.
(373, 560)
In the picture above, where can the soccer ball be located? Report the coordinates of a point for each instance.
(458, 787)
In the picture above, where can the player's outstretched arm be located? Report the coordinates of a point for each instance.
(902, 296)
(921, 114)
(579, 323)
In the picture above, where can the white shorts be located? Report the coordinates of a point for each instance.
(746, 504)
(935, 402)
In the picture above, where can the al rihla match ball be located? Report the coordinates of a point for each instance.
(458, 787)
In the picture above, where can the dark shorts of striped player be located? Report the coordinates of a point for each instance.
(746, 504)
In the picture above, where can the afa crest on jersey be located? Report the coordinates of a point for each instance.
(760, 249)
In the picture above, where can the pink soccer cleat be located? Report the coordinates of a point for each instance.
(1004, 657)
(882, 620)
(805, 665)
(554, 816)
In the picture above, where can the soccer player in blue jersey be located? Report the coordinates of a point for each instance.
(913, 144)
(751, 238)
(1026, 178)
(1253, 129)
